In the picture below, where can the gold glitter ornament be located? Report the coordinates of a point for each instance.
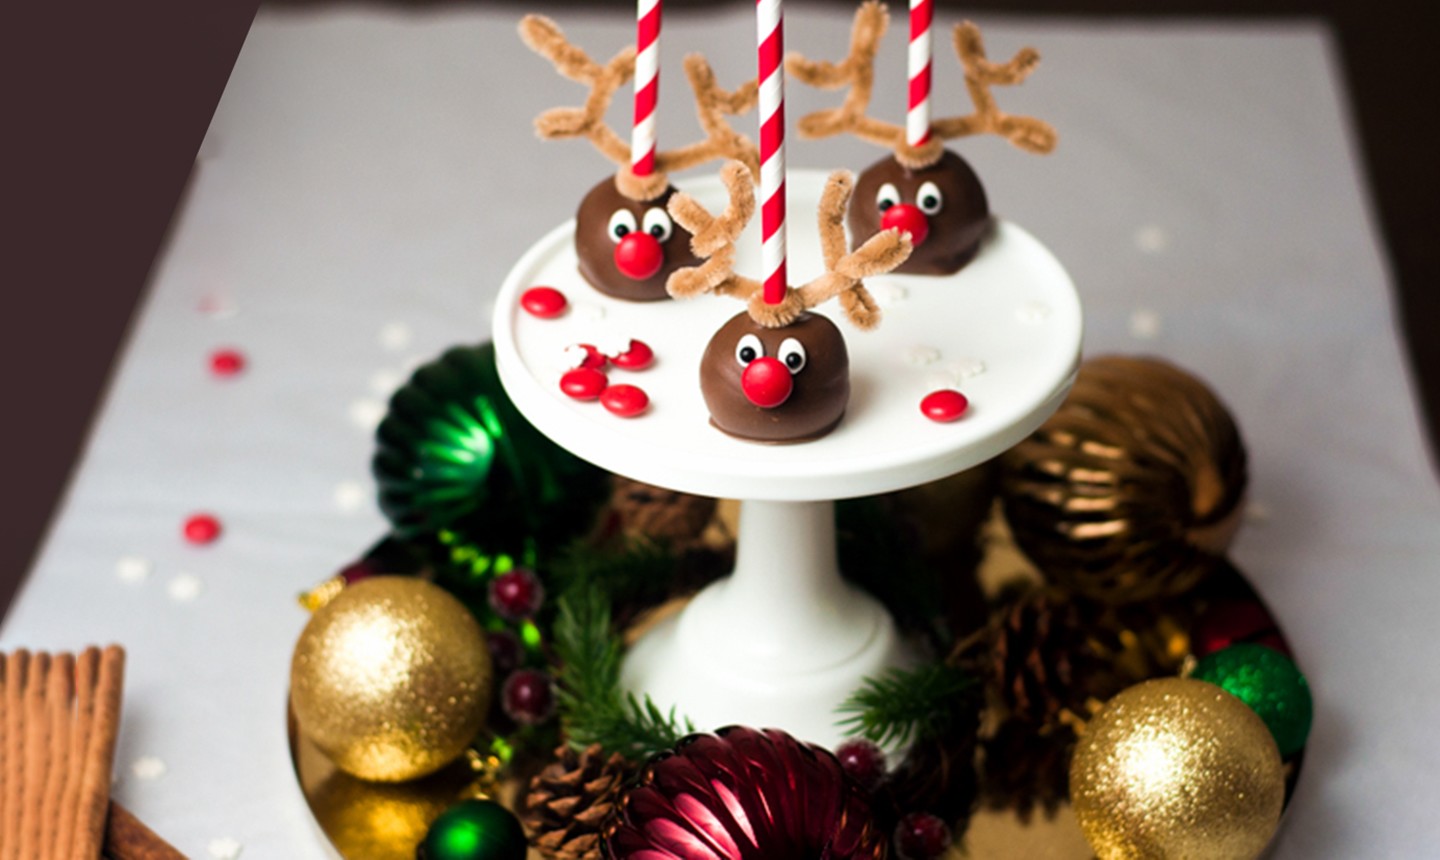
(1177, 768)
(391, 679)
(1132, 490)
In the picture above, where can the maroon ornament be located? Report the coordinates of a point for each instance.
(637, 356)
(944, 405)
(516, 595)
(543, 302)
(227, 362)
(863, 761)
(1233, 622)
(921, 836)
(626, 401)
(744, 794)
(583, 383)
(528, 697)
(201, 529)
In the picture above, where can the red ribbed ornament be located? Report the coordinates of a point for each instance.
(744, 794)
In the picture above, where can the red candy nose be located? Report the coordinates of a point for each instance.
(766, 383)
(639, 255)
(907, 219)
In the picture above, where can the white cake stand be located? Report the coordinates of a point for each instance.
(784, 640)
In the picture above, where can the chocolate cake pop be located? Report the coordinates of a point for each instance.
(927, 191)
(777, 372)
(626, 243)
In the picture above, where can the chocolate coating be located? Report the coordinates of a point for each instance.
(955, 230)
(595, 246)
(822, 386)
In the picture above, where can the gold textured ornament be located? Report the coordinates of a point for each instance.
(1133, 489)
(391, 679)
(1177, 768)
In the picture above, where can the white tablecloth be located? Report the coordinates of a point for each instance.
(370, 176)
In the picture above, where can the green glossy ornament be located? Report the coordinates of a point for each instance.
(474, 830)
(1270, 683)
(456, 457)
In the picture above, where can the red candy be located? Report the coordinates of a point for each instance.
(202, 529)
(543, 302)
(907, 219)
(227, 362)
(627, 401)
(637, 356)
(766, 382)
(583, 383)
(639, 256)
(946, 404)
(594, 358)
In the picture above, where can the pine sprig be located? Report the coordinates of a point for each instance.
(592, 708)
(904, 706)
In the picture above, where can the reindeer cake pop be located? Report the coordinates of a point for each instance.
(923, 188)
(626, 243)
(777, 372)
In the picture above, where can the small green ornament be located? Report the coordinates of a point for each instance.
(1270, 683)
(455, 456)
(474, 830)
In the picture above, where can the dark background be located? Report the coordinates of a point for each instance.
(108, 102)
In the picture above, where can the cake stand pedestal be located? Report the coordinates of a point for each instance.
(784, 640)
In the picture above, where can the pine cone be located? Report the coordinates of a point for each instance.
(571, 799)
(1022, 771)
(1036, 658)
(657, 513)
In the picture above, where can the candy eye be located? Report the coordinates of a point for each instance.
(930, 198)
(622, 224)
(657, 223)
(887, 196)
(792, 353)
(748, 349)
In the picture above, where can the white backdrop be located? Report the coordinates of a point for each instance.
(370, 176)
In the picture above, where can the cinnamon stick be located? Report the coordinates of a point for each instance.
(86, 668)
(99, 755)
(15, 666)
(36, 743)
(59, 697)
(127, 838)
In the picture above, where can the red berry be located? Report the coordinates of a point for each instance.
(517, 594)
(583, 383)
(766, 382)
(506, 652)
(593, 358)
(528, 697)
(907, 219)
(863, 761)
(202, 529)
(637, 356)
(227, 362)
(639, 256)
(921, 836)
(627, 401)
(543, 302)
(944, 405)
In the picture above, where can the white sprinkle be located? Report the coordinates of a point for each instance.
(1032, 313)
(920, 356)
(612, 343)
(217, 306)
(573, 356)
(1145, 324)
(224, 848)
(395, 336)
(968, 368)
(133, 569)
(366, 413)
(890, 294)
(350, 496)
(148, 768)
(1152, 239)
(184, 588)
(384, 381)
(1258, 513)
(589, 311)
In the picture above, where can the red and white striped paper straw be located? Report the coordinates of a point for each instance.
(917, 119)
(647, 86)
(770, 35)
